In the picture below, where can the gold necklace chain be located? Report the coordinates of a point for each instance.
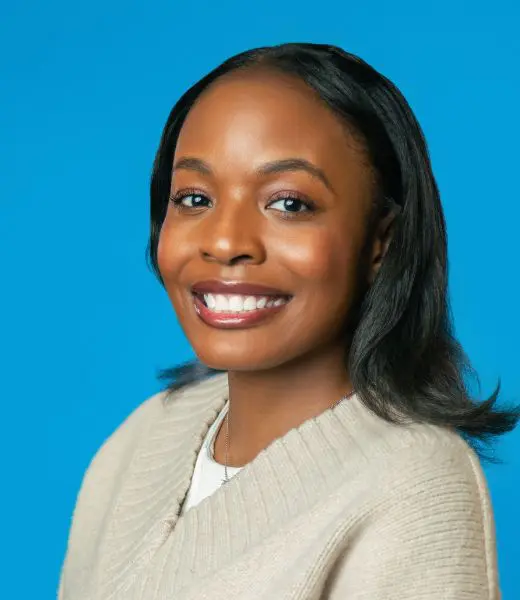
(226, 478)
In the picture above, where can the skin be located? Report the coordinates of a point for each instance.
(290, 368)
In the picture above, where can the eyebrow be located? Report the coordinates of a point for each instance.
(274, 166)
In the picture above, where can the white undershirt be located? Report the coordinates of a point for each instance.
(208, 474)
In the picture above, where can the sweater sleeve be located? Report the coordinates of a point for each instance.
(101, 476)
(431, 535)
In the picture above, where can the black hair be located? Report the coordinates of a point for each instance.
(402, 357)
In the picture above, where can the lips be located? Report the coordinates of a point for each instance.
(214, 286)
(238, 320)
(242, 319)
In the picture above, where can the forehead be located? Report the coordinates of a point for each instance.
(248, 118)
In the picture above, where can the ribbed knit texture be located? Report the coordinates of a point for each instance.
(344, 507)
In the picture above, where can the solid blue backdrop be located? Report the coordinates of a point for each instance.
(85, 91)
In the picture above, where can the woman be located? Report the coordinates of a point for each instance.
(297, 228)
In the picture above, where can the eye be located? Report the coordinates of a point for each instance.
(189, 200)
(293, 205)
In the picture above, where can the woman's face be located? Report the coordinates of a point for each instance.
(298, 226)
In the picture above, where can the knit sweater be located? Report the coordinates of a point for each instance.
(345, 506)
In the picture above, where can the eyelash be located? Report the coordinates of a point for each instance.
(177, 198)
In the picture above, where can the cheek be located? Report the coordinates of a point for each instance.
(322, 264)
(170, 261)
(170, 251)
(165, 257)
(320, 257)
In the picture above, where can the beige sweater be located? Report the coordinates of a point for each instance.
(344, 507)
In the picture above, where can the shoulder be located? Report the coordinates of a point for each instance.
(427, 453)
(99, 486)
(434, 510)
(426, 461)
(121, 442)
(412, 451)
(111, 459)
(114, 456)
(430, 529)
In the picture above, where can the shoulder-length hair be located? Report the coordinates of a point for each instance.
(402, 357)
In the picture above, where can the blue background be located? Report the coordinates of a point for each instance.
(85, 91)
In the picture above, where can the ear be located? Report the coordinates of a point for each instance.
(381, 241)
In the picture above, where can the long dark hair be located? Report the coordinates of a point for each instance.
(403, 359)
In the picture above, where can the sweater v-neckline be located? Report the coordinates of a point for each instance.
(293, 473)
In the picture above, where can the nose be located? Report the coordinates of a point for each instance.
(233, 235)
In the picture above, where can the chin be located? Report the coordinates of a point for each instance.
(236, 360)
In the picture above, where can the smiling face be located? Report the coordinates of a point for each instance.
(270, 189)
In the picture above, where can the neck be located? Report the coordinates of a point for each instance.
(265, 405)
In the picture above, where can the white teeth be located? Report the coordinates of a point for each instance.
(221, 303)
(250, 303)
(209, 299)
(261, 302)
(235, 303)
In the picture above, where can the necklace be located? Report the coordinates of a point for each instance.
(226, 478)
